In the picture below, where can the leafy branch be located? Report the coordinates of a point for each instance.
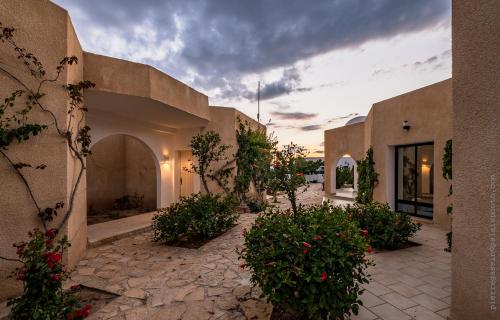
(15, 126)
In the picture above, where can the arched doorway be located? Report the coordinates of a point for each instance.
(344, 177)
(121, 179)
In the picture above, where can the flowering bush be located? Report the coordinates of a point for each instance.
(386, 229)
(199, 216)
(43, 273)
(310, 266)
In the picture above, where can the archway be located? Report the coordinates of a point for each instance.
(345, 177)
(122, 179)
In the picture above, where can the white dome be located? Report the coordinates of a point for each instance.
(356, 120)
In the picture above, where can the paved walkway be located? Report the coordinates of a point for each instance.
(163, 282)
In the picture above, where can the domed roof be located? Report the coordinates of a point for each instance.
(356, 120)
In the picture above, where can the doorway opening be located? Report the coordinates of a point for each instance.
(121, 179)
(415, 179)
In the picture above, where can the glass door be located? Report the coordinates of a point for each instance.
(415, 179)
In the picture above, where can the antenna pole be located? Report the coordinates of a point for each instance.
(258, 103)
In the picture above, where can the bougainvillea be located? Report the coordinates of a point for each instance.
(42, 272)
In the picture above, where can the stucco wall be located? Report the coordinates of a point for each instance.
(135, 79)
(476, 160)
(339, 142)
(50, 40)
(429, 112)
(120, 165)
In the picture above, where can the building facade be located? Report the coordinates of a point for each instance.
(408, 134)
(141, 120)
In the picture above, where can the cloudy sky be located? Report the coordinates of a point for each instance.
(319, 62)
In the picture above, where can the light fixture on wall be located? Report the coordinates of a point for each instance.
(406, 125)
(166, 160)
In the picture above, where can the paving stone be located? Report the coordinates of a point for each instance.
(135, 293)
(389, 312)
(421, 313)
(399, 301)
(429, 302)
(86, 271)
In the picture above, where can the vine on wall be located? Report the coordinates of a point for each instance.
(448, 176)
(41, 268)
(367, 178)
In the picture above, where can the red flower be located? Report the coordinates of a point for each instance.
(305, 251)
(369, 249)
(53, 258)
(69, 316)
(51, 234)
(317, 237)
(306, 244)
(324, 276)
(21, 275)
(363, 232)
(20, 248)
(56, 277)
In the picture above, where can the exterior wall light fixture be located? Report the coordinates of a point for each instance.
(406, 125)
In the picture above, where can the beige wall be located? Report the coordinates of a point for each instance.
(120, 165)
(339, 142)
(476, 160)
(135, 79)
(50, 40)
(224, 121)
(429, 112)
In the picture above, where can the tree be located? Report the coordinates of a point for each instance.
(208, 150)
(289, 169)
(253, 160)
(367, 178)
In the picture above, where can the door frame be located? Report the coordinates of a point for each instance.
(415, 203)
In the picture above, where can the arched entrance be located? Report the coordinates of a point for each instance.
(344, 177)
(122, 179)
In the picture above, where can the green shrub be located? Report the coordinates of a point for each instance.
(386, 229)
(310, 265)
(199, 216)
(256, 205)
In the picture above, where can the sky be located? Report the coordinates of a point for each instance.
(320, 63)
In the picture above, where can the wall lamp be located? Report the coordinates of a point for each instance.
(166, 159)
(406, 125)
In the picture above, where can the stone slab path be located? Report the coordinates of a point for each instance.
(163, 282)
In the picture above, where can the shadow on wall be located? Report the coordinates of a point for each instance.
(121, 175)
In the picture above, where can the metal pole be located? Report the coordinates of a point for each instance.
(258, 103)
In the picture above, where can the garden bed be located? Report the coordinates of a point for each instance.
(195, 243)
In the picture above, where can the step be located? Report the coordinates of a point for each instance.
(109, 231)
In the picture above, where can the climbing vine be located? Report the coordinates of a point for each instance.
(42, 271)
(367, 178)
(253, 160)
(448, 176)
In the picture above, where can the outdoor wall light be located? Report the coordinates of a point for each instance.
(166, 159)
(406, 125)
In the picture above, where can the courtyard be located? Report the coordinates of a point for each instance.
(165, 282)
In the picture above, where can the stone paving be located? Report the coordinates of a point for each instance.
(163, 282)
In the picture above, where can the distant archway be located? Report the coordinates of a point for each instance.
(122, 178)
(344, 177)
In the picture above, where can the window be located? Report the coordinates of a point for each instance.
(415, 179)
